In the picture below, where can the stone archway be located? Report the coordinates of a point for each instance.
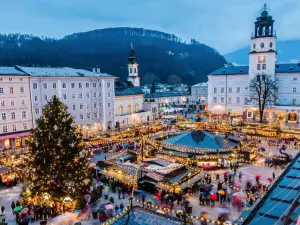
(292, 117)
(281, 116)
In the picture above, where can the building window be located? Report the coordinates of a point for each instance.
(23, 115)
(54, 85)
(13, 115)
(294, 90)
(264, 66)
(72, 85)
(245, 101)
(88, 106)
(108, 94)
(81, 106)
(258, 66)
(80, 95)
(230, 90)
(88, 95)
(294, 101)
(2, 103)
(246, 88)
(4, 129)
(37, 111)
(121, 110)
(215, 90)
(46, 98)
(1, 90)
(14, 128)
(134, 70)
(34, 85)
(10, 79)
(108, 84)
(130, 70)
(22, 89)
(35, 98)
(95, 95)
(95, 115)
(64, 85)
(11, 90)
(12, 102)
(99, 84)
(74, 107)
(295, 78)
(261, 59)
(95, 105)
(109, 114)
(80, 85)
(222, 90)
(237, 99)
(45, 85)
(229, 100)
(64, 96)
(22, 102)
(109, 105)
(94, 84)
(87, 85)
(88, 115)
(25, 126)
(136, 108)
(73, 95)
(81, 116)
(222, 99)
(238, 90)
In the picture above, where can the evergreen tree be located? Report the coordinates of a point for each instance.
(57, 163)
(153, 88)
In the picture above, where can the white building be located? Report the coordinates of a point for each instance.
(129, 98)
(228, 87)
(15, 107)
(199, 92)
(88, 95)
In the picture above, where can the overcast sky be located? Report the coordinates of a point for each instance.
(223, 24)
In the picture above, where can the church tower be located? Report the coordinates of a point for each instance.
(133, 68)
(262, 56)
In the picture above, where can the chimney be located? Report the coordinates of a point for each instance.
(94, 70)
(98, 70)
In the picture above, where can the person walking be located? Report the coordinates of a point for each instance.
(273, 175)
(240, 176)
(13, 205)
(121, 206)
(2, 209)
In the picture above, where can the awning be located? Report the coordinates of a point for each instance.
(15, 135)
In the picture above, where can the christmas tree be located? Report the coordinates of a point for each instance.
(56, 162)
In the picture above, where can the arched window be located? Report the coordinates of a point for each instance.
(264, 31)
(136, 108)
(130, 70)
(134, 70)
(129, 109)
(121, 110)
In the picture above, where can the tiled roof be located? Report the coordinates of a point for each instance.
(236, 70)
(281, 200)
(11, 71)
(164, 94)
(129, 91)
(60, 72)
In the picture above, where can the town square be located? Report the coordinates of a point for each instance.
(80, 146)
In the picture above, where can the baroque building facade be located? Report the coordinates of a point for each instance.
(228, 87)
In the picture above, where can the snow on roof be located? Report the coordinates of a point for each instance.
(11, 71)
(60, 72)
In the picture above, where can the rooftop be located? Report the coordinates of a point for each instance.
(59, 72)
(164, 94)
(241, 70)
(200, 139)
(11, 71)
(203, 84)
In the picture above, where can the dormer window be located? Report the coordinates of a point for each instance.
(271, 44)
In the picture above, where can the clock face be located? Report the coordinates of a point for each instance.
(262, 45)
(271, 44)
(254, 46)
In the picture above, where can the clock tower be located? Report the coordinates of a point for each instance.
(262, 56)
(133, 68)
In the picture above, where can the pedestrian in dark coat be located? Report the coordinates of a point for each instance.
(2, 209)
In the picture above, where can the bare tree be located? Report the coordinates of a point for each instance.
(262, 93)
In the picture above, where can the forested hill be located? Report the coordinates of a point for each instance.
(159, 54)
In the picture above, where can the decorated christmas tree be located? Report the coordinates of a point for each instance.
(56, 162)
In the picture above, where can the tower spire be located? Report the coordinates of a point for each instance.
(132, 57)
